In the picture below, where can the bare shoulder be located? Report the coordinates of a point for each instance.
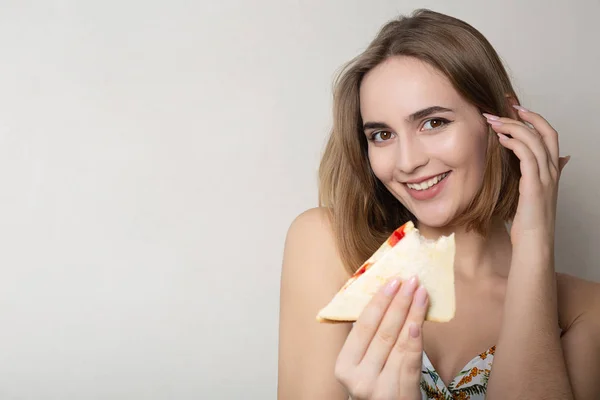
(578, 300)
(579, 314)
(311, 252)
(313, 227)
(312, 273)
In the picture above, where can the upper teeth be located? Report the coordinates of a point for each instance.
(427, 184)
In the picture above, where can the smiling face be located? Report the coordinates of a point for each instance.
(427, 144)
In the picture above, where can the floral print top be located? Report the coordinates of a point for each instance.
(470, 384)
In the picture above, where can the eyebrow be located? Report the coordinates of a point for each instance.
(411, 118)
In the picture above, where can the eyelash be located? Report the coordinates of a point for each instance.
(444, 120)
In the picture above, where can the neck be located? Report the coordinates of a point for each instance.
(477, 256)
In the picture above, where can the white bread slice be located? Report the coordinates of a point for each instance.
(404, 254)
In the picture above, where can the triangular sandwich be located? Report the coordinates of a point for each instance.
(404, 254)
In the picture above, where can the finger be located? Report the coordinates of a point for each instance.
(367, 323)
(407, 354)
(546, 130)
(410, 376)
(528, 135)
(530, 138)
(529, 165)
(393, 321)
(491, 118)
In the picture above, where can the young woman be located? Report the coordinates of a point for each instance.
(427, 127)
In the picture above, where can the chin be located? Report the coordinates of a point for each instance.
(438, 217)
(434, 221)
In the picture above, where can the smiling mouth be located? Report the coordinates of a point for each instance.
(428, 183)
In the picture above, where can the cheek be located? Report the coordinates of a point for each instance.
(466, 147)
(382, 163)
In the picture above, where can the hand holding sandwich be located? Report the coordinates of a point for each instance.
(382, 356)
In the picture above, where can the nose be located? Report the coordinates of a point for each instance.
(411, 154)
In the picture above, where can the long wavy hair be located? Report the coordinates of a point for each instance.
(363, 212)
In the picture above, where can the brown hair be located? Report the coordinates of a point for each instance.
(363, 211)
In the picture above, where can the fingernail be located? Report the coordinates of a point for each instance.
(502, 136)
(495, 123)
(391, 287)
(409, 286)
(421, 296)
(490, 116)
(520, 108)
(414, 330)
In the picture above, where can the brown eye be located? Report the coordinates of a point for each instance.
(381, 136)
(436, 123)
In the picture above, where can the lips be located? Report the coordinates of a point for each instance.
(428, 189)
(427, 183)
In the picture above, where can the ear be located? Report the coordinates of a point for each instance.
(512, 101)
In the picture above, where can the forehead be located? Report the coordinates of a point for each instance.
(402, 85)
